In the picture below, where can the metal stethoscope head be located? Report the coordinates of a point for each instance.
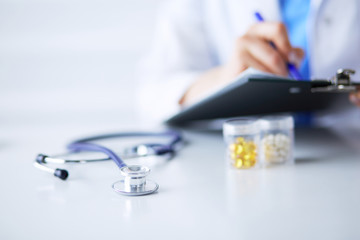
(134, 182)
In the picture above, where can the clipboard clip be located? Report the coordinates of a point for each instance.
(341, 82)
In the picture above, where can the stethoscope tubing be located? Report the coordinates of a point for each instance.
(92, 147)
(85, 144)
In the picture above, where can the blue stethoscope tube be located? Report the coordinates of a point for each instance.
(86, 144)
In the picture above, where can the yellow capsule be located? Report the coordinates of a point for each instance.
(241, 155)
(247, 157)
(233, 156)
(246, 148)
(250, 146)
(238, 163)
(251, 163)
(247, 164)
(239, 149)
(232, 147)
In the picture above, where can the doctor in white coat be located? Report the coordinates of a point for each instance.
(201, 45)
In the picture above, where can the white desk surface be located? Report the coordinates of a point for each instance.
(199, 196)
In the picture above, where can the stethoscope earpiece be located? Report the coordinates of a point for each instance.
(61, 173)
(58, 172)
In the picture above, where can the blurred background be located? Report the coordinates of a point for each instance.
(75, 58)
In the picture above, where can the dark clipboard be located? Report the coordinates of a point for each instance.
(256, 94)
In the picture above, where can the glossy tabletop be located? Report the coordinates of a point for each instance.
(199, 197)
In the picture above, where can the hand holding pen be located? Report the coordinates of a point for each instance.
(293, 72)
(266, 47)
(256, 49)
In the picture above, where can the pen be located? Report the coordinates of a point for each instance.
(294, 73)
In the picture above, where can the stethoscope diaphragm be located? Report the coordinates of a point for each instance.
(135, 182)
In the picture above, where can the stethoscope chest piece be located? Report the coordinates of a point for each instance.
(135, 182)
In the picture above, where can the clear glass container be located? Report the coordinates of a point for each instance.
(277, 139)
(241, 136)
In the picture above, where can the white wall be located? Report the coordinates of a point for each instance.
(78, 57)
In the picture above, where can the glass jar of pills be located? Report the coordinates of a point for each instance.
(241, 136)
(277, 139)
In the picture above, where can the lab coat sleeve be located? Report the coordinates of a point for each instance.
(179, 54)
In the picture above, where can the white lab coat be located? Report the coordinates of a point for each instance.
(193, 36)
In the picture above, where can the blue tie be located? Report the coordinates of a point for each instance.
(294, 14)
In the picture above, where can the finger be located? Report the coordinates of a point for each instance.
(296, 56)
(275, 32)
(355, 98)
(298, 52)
(266, 55)
(254, 63)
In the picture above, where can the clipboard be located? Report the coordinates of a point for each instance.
(259, 93)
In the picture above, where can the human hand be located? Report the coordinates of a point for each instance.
(253, 50)
(355, 97)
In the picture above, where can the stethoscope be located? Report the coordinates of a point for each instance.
(134, 182)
